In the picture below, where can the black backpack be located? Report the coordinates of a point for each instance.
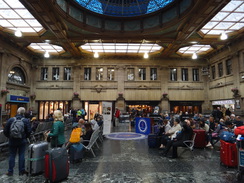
(17, 128)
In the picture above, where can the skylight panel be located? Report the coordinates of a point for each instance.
(8, 14)
(194, 49)
(18, 23)
(14, 4)
(24, 13)
(229, 19)
(45, 47)
(5, 23)
(121, 47)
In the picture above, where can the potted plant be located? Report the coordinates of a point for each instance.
(76, 94)
(165, 95)
(33, 96)
(4, 91)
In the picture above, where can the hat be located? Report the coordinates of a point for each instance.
(34, 118)
(233, 115)
(75, 125)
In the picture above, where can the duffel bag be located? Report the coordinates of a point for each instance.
(239, 130)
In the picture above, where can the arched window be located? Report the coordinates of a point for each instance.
(16, 75)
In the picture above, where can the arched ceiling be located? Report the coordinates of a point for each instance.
(67, 25)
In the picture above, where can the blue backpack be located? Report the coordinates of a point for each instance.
(228, 137)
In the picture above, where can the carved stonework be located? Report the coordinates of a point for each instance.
(98, 88)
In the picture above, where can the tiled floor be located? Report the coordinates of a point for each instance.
(134, 162)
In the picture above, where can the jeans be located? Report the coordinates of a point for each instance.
(13, 149)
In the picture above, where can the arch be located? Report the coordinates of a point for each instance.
(17, 75)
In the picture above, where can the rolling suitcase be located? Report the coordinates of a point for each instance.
(200, 140)
(56, 164)
(76, 152)
(36, 155)
(228, 154)
(153, 141)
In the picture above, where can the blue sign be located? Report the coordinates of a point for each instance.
(143, 125)
(19, 99)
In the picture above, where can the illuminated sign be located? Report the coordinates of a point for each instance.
(222, 102)
(19, 99)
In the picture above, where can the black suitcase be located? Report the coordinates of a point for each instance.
(56, 164)
(153, 141)
(76, 152)
(36, 155)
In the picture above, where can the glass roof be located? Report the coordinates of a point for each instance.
(46, 47)
(13, 16)
(198, 49)
(124, 8)
(121, 47)
(229, 19)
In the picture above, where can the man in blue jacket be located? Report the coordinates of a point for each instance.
(17, 144)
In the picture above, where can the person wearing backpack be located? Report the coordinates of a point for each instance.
(17, 129)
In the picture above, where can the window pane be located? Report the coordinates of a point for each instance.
(99, 73)
(142, 74)
(55, 73)
(67, 73)
(220, 68)
(153, 73)
(173, 74)
(110, 74)
(184, 74)
(213, 72)
(228, 67)
(44, 71)
(130, 74)
(87, 74)
(16, 75)
(195, 74)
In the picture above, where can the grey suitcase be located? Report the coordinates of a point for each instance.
(56, 164)
(36, 158)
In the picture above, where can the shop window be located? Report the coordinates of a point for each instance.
(130, 74)
(87, 73)
(213, 72)
(142, 73)
(55, 73)
(184, 74)
(16, 75)
(67, 73)
(110, 74)
(220, 68)
(173, 74)
(153, 73)
(195, 74)
(44, 73)
(99, 73)
(228, 67)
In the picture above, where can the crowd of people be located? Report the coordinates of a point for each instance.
(19, 128)
(174, 131)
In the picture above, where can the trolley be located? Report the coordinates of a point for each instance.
(240, 155)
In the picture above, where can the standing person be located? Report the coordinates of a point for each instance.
(116, 116)
(17, 141)
(57, 132)
(73, 113)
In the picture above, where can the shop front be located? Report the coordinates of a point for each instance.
(190, 107)
(224, 104)
(46, 108)
(12, 104)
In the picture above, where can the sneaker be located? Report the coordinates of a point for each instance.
(23, 173)
(9, 174)
(209, 145)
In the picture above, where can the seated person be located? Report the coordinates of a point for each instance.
(205, 127)
(168, 135)
(75, 136)
(164, 127)
(94, 124)
(185, 134)
(34, 124)
(100, 120)
(238, 122)
(87, 134)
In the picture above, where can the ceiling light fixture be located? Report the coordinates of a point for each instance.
(18, 33)
(46, 55)
(96, 55)
(146, 55)
(194, 56)
(223, 36)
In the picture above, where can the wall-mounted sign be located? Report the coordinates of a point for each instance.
(223, 102)
(19, 99)
(143, 125)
